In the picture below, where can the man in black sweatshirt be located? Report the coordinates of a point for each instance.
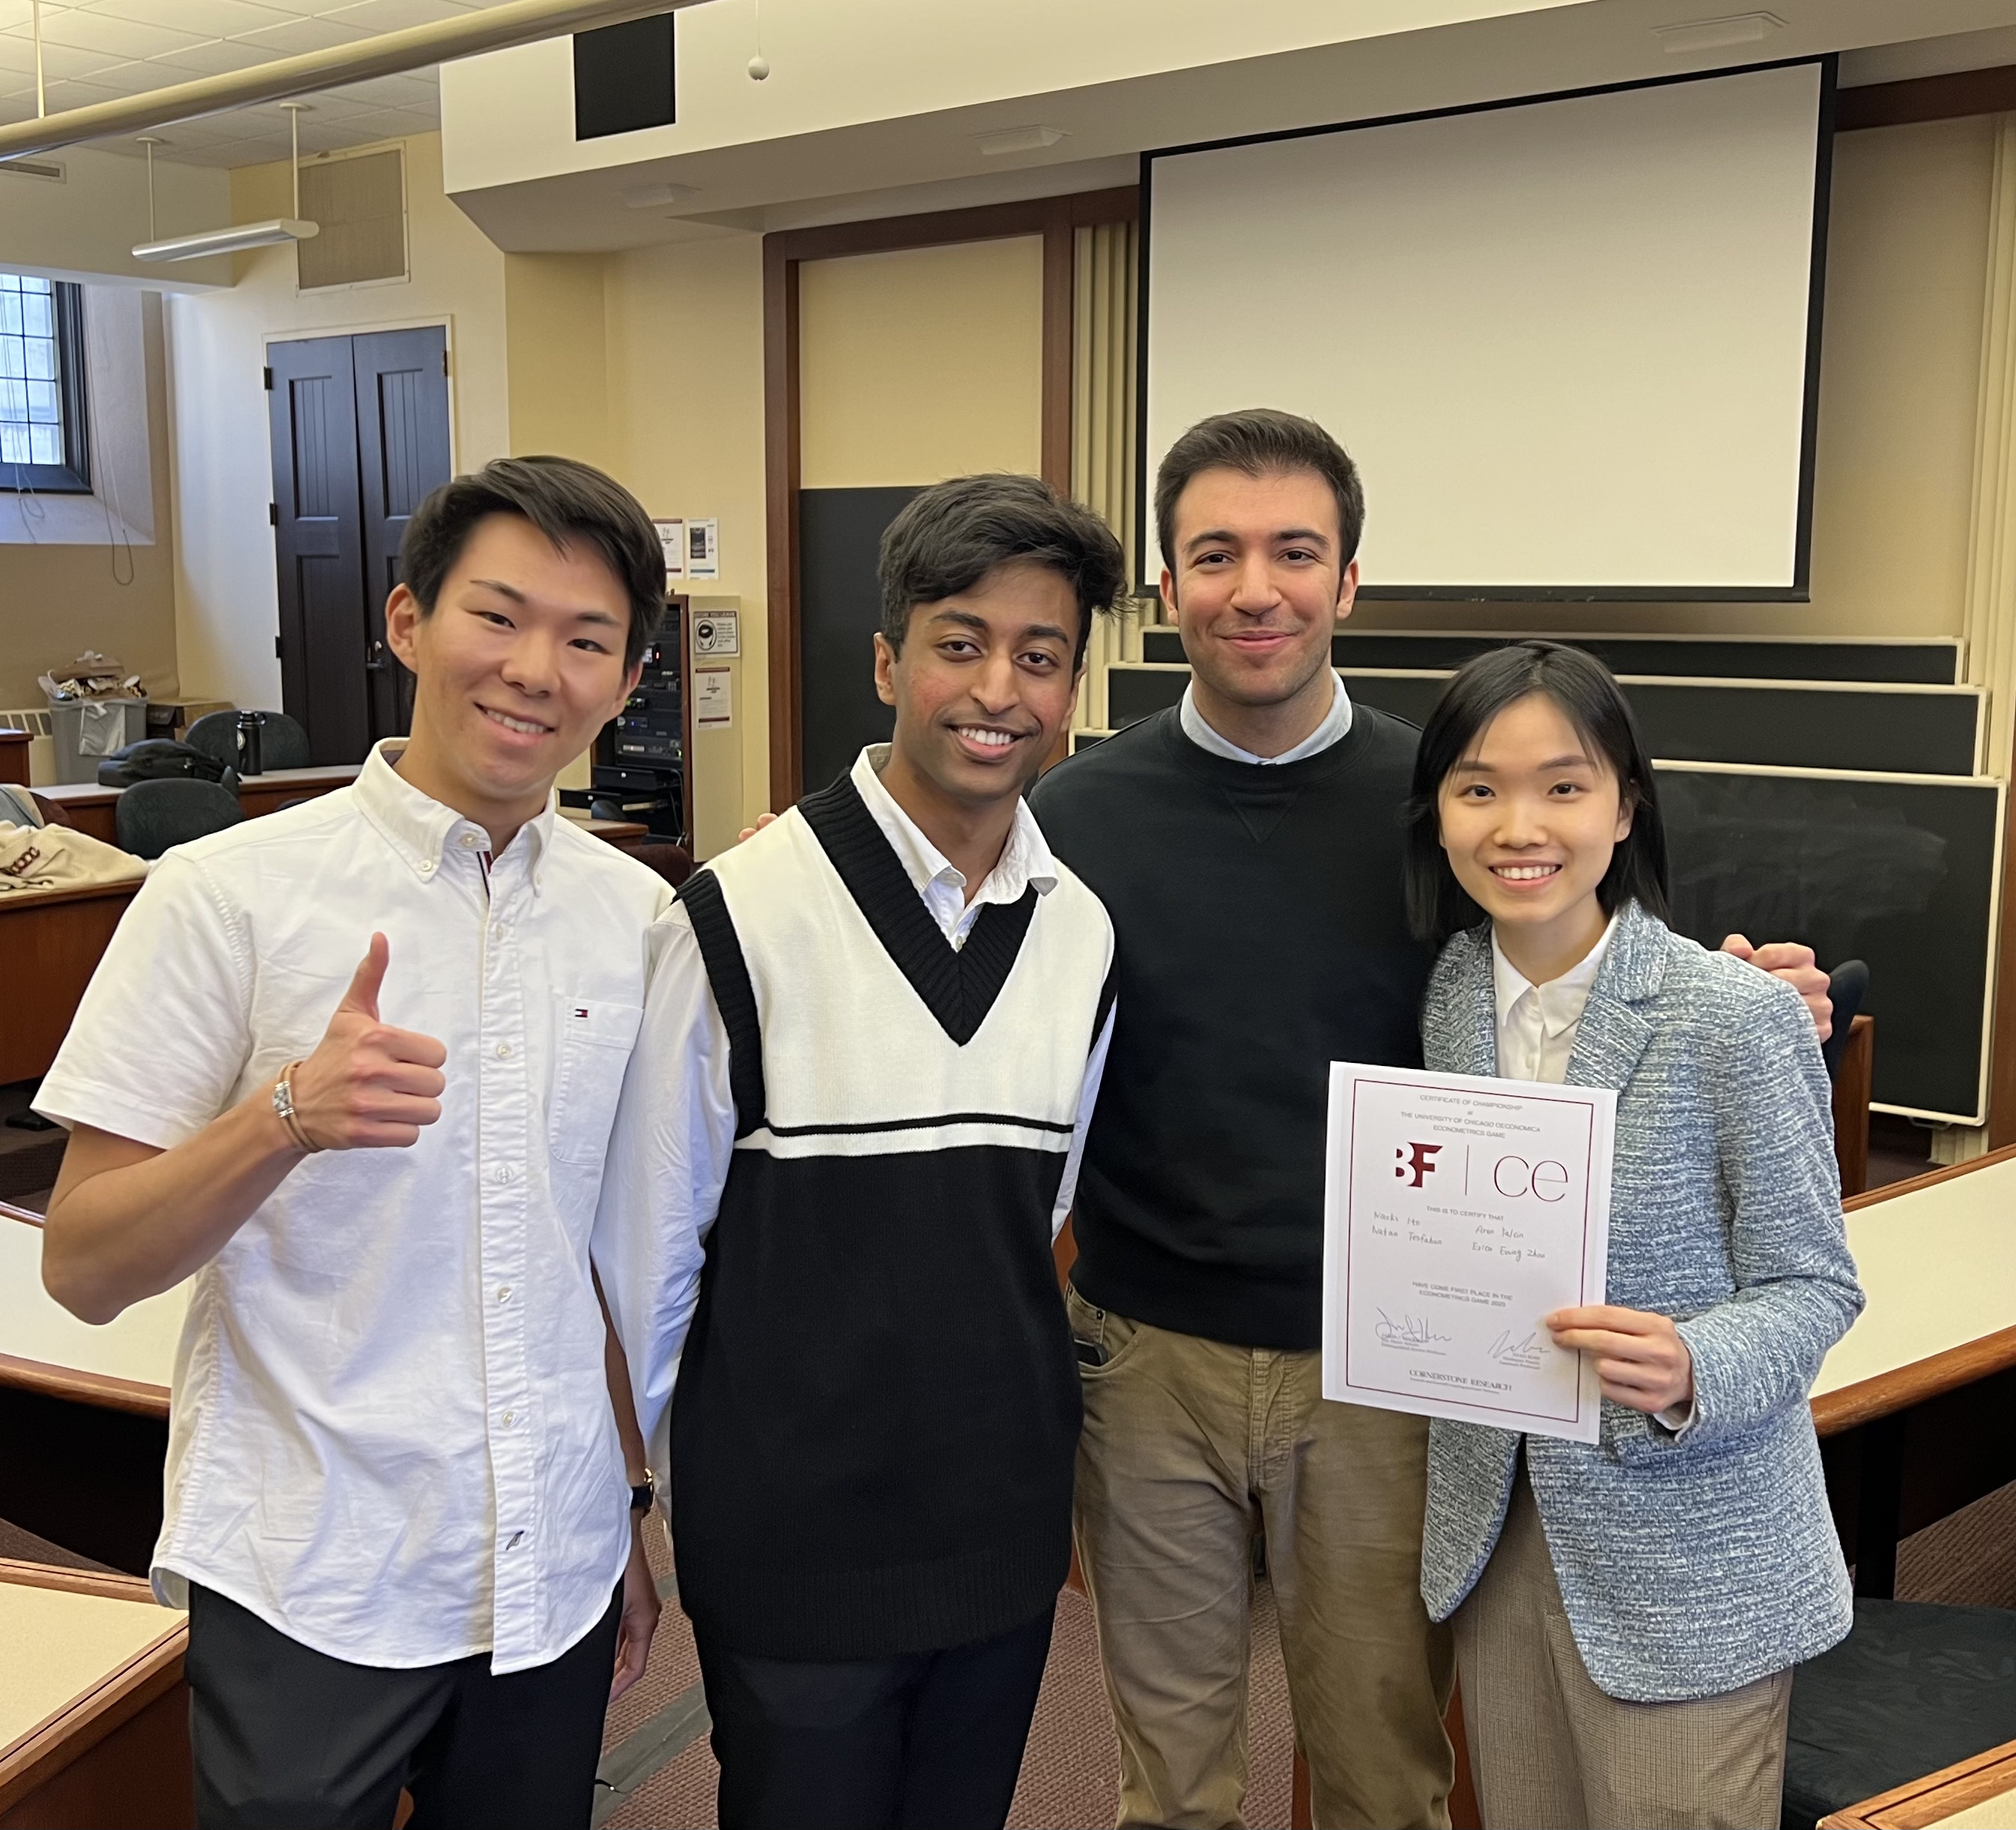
(1247, 847)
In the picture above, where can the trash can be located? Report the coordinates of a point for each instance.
(86, 731)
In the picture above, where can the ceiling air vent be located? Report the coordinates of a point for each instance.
(42, 168)
(360, 205)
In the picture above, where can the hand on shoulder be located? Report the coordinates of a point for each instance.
(1795, 964)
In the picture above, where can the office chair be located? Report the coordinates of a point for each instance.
(1848, 985)
(151, 816)
(1914, 1688)
(283, 742)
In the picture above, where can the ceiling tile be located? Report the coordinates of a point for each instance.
(209, 19)
(212, 58)
(295, 36)
(59, 61)
(395, 92)
(392, 16)
(123, 37)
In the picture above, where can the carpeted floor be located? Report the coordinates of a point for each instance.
(662, 1774)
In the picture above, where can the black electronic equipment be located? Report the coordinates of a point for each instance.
(639, 767)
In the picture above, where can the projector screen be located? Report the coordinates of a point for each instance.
(1573, 343)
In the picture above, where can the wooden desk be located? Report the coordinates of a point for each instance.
(94, 1712)
(1912, 1405)
(52, 941)
(84, 1410)
(93, 809)
(1979, 1794)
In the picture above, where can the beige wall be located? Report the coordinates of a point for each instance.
(559, 379)
(1899, 386)
(226, 595)
(684, 356)
(77, 572)
(889, 390)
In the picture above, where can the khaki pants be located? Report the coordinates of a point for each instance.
(1189, 1446)
(1547, 1747)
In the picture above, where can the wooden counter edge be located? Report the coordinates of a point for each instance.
(1854, 1203)
(1903, 1386)
(105, 1390)
(124, 886)
(72, 1731)
(1966, 1784)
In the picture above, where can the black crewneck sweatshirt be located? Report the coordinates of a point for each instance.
(1263, 934)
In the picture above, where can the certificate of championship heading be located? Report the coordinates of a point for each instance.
(1458, 1212)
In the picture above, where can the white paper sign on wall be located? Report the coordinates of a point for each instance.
(672, 537)
(714, 698)
(703, 549)
(717, 631)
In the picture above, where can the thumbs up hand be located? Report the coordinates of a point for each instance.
(369, 1086)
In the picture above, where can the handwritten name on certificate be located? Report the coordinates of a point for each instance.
(1459, 1211)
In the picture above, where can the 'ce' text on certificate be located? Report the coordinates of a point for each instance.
(1458, 1212)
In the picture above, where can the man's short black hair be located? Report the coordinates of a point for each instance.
(1260, 441)
(950, 536)
(572, 504)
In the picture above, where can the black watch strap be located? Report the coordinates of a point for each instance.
(645, 1495)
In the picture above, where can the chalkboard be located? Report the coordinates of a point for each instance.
(1933, 662)
(840, 609)
(1900, 874)
(1913, 730)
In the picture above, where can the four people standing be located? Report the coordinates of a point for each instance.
(863, 1051)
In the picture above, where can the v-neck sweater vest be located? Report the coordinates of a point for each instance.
(877, 1410)
(1262, 931)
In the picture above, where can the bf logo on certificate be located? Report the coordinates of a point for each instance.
(1459, 1211)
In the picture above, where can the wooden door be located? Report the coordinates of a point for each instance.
(401, 379)
(318, 536)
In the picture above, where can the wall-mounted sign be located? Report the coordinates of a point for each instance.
(672, 537)
(717, 631)
(714, 698)
(703, 549)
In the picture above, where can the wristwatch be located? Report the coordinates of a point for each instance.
(643, 1496)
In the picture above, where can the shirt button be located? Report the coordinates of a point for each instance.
(426, 866)
(517, 1537)
(510, 1417)
(468, 840)
(503, 1051)
(504, 1294)
(500, 1175)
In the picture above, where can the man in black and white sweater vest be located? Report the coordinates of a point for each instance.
(846, 1143)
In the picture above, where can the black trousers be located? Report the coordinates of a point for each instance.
(286, 1738)
(931, 1741)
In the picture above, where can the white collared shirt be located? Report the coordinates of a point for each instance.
(1335, 726)
(1538, 1024)
(391, 1437)
(1025, 860)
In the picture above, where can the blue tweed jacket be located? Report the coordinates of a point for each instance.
(1692, 1564)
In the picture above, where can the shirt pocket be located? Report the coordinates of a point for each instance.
(595, 1039)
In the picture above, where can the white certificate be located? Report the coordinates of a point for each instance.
(1458, 1212)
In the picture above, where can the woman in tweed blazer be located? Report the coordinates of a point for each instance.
(1627, 1612)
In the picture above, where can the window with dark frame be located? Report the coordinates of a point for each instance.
(42, 445)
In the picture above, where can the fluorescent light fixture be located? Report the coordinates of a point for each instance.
(1020, 139)
(234, 240)
(1716, 34)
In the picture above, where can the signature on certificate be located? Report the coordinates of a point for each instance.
(1523, 1350)
(1412, 1333)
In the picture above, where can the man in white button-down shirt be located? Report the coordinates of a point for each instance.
(396, 1502)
